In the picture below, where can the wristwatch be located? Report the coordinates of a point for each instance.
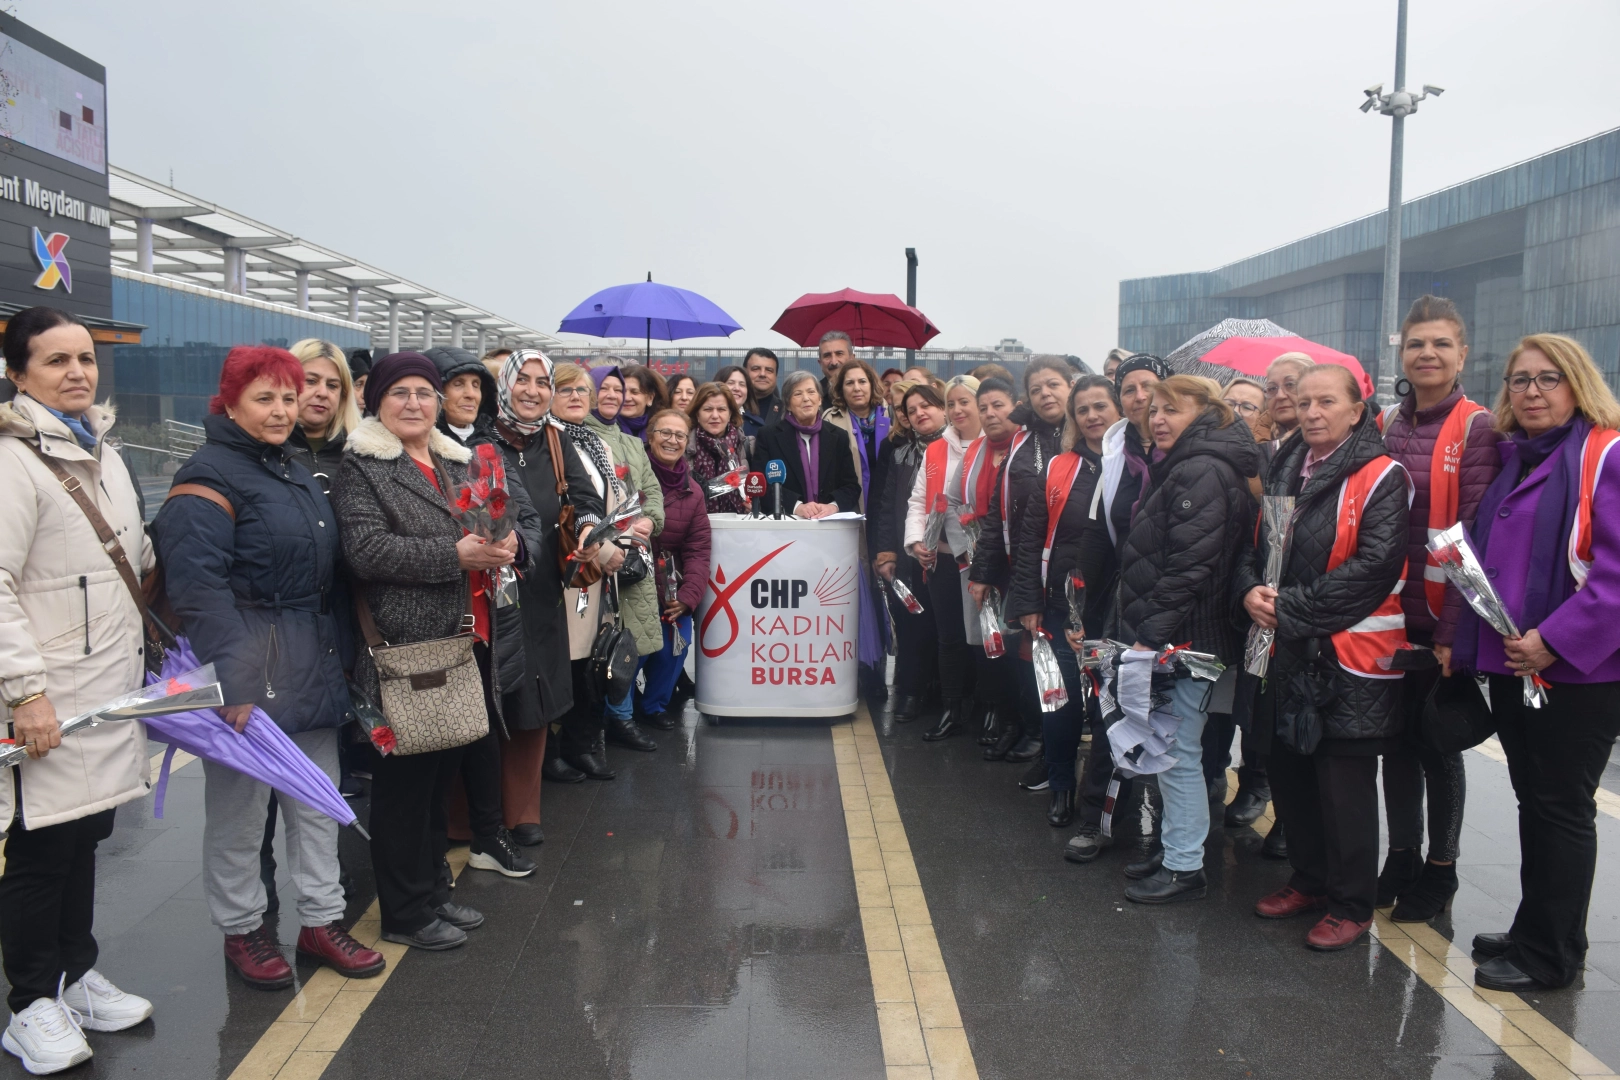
(20, 702)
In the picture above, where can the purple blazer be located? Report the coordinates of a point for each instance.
(1584, 630)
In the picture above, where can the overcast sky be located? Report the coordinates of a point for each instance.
(522, 155)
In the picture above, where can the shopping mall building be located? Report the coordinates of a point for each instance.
(1534, 247)
(168, 281)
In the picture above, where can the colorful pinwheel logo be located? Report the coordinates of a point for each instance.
(53, 264)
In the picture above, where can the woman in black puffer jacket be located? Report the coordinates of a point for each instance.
(1176, 569)
(1336, 615)
(915, 658)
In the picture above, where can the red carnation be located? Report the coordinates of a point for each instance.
(486, 453)
(464, 500)
(382, 737)
(621, 471)
(497, 505)
(480, 491)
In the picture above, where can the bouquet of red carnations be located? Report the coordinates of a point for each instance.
(990, 624)
(483, 507)
(907, 598)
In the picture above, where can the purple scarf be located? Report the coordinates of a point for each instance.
(671, 478)
(878, 425)
(1550, 582)
(809, 456)
(634, 425)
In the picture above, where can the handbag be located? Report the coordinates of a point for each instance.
(158, 637)
(614, 657)
(1455, 716)
(431, 692)
(1299, 724)
(575, 574)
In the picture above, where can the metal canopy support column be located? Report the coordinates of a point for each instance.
(302, 277)
(427, 329)
(455, 333)
(393, 326)
(143, 245)
(354, 303)
(482, 348)
(232, 269)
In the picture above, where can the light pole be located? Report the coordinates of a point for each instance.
(911, 292)
(1397, 106)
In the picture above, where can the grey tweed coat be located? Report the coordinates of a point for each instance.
(399, 539)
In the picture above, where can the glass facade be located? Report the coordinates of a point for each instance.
(175, 369)
(1531, 248)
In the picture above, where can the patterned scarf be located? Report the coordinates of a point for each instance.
(585, 439)
(503, 391)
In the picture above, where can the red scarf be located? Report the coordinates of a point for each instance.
(984, 476)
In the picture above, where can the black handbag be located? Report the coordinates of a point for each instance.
(1455, 716)
(614, 657)
(1311, 689)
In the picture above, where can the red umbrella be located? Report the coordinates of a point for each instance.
(868, 319)
(1252, 355)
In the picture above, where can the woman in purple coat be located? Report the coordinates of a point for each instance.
(681, 549)
(1548, 534)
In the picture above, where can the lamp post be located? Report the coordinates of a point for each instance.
(1397, 105)
(911, 292)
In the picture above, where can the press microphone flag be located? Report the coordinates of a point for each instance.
(776, 471)
(754, 486)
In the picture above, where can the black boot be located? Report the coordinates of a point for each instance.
(1247, 806)
(625, 733)
(558, 771)
(1005, 741)
(1150, 863)
(1060, 811)
(990, 730)
(1168, 886)
(593, 762)
(1400, 873)
(905, 708)
(1276, 845)
(1026, 749)
(950, 721)
(1432, 894)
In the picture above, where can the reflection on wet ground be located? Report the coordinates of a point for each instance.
(698, 917)
(1056, 974)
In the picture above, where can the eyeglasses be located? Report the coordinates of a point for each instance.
(1546, 381)
(1272, 390)
(670, 435)
(573, 391)
(1244, 406)
(403, 394)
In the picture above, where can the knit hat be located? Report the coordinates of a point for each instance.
(1141, 362)
(394, 367)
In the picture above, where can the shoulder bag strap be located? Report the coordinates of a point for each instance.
(554, 443)
(368, 625)
(203, 491)
(104, 531)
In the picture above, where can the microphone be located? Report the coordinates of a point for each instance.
(776, 474)
(754, 485)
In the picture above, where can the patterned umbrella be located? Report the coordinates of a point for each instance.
(1188, 357)
(1248, 346)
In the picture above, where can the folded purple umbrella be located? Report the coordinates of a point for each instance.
(262, 751)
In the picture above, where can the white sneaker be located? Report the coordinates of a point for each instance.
(46, 1037)
(102, 1006)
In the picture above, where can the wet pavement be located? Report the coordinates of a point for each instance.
(699, 917)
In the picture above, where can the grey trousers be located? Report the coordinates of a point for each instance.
(236, 806)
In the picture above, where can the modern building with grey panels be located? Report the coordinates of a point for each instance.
(1534, 247)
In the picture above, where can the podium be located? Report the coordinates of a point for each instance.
(776, 633)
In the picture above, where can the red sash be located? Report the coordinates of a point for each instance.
(1061, 474)
(1382, 633)
(936, 459)
(1598, 444)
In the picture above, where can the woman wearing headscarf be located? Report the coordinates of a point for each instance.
(899, 458)
(1548, 534)
(638, 601)
(717, 445)
(1327, 707)
(535, 676)
(260, 559)
(946, 573)
(71, 640)
(419, 571)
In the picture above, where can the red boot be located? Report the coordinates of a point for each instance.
(331, 945)
(1334, 933)
(256, 956)
(1287, 902)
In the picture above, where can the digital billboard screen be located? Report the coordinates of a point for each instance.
(51, 107)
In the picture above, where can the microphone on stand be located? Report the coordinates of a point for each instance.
(753, 487)
(776, 474)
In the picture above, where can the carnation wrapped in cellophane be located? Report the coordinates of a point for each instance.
(1457, 558)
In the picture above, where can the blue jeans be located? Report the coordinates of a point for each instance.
(662, 668)
(1186, 795)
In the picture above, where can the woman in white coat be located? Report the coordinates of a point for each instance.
(947, 574)
(70, 640)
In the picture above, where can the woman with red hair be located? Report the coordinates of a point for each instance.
(259, 544)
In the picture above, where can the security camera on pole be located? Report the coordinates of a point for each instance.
(1398, 106)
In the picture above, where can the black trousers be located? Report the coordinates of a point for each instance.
(1061, 730)
(1555, 758)
(48, 905)
(916, 656)
(481, 780)
(1099, 770)
(409, 835)
(1415, 768)
(1329, 805)
(1218, 753)
(582, 724)
(950, 633)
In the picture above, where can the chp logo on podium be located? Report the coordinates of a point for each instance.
(777, 631)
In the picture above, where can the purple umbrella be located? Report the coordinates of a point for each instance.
(651, 310)
(262, 751)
